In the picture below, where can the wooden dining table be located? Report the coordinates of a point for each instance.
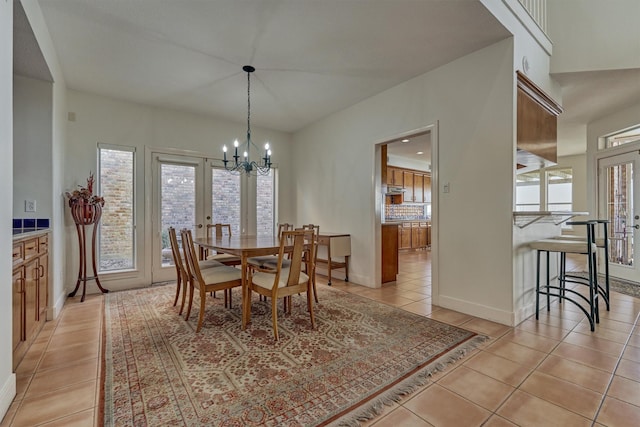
(245, 247)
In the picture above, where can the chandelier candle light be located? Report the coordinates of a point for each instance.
(246, 165)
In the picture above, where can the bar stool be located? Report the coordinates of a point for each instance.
(560, 291)
(601, 243)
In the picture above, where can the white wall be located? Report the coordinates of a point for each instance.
(32, 127)
(623, 119)
(471, 100)
(110, 121)
(7, 378)
(56, 148)
(593, 35)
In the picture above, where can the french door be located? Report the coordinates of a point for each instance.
(619, 202)
(188, 193)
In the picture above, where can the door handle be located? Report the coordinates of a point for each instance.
(634, 226)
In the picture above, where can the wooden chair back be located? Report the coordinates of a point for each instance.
(284, 227)
(218, 231)
(181, 279)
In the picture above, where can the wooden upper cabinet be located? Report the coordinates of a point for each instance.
(537, 125)
(394, 177)
(427, 188)
(418, 188)
(408, 185)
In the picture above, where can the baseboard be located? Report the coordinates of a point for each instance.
(7, 393)
(54, 311)
(477, 310)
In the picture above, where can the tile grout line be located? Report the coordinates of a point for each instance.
(615, 369)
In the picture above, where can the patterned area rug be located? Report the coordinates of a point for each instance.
(619, 285)
(363, 354)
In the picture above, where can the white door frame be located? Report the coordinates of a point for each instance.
(625, 154)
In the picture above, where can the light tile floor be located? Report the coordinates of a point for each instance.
(550, 372)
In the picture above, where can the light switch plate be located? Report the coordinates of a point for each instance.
(29, 205)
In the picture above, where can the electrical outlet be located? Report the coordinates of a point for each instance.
(446, 188)
(29, 205)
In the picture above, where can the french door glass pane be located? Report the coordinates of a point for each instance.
(619, 212)
(265, 197)
(177, 203)
(225, 199)
(116, 236)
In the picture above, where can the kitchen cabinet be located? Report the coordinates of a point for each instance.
(414, 235)
(427, 188)
(389, 252)
(418, 187)
(394, 177)
(408, 185)
(30, 291)
(404, 235)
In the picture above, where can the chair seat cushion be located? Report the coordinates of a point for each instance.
(209, 263)
(266, 280)
(567, 246)
(224, 258)
(221, 274)
(268, 261)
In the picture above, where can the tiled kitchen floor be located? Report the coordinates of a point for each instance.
(551, 372)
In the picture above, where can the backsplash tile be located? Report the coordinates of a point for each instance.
(401, 212)
(25, 225)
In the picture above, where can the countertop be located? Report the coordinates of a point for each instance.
(403, 221)
(20, 234)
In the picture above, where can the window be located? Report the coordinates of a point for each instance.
(553, 193)
(621, 138)
(559, 189)
(225, 199)
(116, 233)
(265, 206)
(528, 191)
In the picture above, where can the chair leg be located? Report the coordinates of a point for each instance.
(178, 286)
(310, 309)
(230, 297)
(186, 317)
(315, 292)
(537, 283)
(274, 316)
(203, 296)
(184, 295)
(548, 283)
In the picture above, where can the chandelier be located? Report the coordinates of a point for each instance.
(246, 165)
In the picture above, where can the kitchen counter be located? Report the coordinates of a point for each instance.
(22, 234)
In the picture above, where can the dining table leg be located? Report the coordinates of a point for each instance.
(246, 295)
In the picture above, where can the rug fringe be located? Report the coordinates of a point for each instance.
(398, 392)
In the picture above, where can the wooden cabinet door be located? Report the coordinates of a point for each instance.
(31, 297)
(418, 188)
(415, 237)
(427, 188)
(390, 241)
(43, 286)
(405, 237)
(408, 185)
(18, 307)
(390, 175)
(394, 176)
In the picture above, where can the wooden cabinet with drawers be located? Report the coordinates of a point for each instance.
(414, 235)
(30, 291)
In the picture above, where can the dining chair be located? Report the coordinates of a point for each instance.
(269, 262)
(181, 272)
(312, 273)
(285, 282)
(219, 231)
(220, 278)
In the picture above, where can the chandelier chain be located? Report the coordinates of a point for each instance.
(249, 106)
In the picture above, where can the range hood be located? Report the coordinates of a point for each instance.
(394, 191)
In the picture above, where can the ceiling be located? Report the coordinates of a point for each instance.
(312, 58)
